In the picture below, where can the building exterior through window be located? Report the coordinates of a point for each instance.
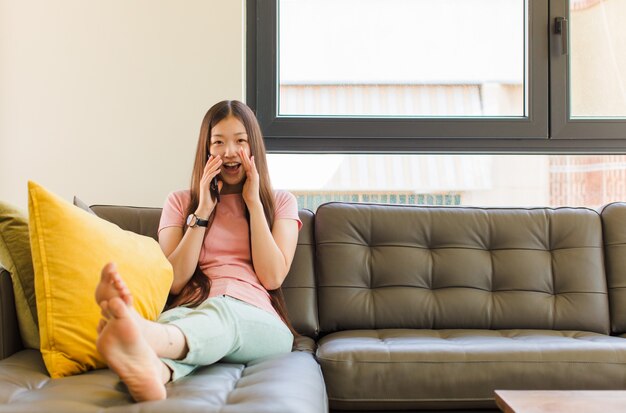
(483, 85)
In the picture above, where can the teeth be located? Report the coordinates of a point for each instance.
(231, 164)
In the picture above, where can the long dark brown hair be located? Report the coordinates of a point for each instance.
(197, 288)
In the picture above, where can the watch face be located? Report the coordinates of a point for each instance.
(191, 220)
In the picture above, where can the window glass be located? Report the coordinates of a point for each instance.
(597, 58)
(419, 58)
(482, 180)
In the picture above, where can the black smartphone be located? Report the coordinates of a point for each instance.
(215, 189)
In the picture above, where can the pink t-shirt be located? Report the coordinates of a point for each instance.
(225, 256)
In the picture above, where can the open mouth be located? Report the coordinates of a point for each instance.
(231, 167)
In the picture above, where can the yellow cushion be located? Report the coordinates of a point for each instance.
(69, 248)
(15, 257)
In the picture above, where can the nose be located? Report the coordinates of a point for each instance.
(230, 149)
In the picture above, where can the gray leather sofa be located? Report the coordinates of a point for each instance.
(284, 384)
(402, 308)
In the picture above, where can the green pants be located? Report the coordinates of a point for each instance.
(224, 328)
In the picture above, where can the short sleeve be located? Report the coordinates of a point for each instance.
(173, 214)
(286, 207)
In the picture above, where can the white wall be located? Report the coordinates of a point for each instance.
(103, 98)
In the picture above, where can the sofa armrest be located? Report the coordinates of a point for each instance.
(10, 341)
(304, 343)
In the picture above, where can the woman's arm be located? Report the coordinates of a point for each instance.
(272, 252)
(183, 251)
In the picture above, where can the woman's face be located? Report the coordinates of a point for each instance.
(227, 138)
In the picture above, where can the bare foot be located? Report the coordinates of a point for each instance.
(128, 354)
(111, 285)
(165, 340)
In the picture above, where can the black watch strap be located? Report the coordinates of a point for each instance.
(194, 221)
(202, 222)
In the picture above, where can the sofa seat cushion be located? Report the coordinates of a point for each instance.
(411, 369)
(288, 383)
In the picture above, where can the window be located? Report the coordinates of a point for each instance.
(454, 76)
(365, 61)
(589, 70)
(485, 180)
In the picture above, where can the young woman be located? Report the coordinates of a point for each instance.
(230, 247)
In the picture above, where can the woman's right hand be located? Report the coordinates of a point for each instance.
(207, 201)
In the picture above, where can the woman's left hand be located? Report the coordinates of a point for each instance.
(251, 186)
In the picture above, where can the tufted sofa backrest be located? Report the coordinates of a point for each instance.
(140, 220)
(299, 286)
(382, 266)
(613, 223)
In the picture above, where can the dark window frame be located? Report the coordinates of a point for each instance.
(537, 133)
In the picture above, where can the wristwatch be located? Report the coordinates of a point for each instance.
(193, 221)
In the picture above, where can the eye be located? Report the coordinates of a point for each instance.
(242, 140)
(217, 142)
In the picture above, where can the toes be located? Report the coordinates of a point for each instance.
(108, 271)
(127, 298)
(122, 289)
(117, 308)
(104, 309)
(116, 279)
(119, 284)
(101, 325)
(112, 285)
